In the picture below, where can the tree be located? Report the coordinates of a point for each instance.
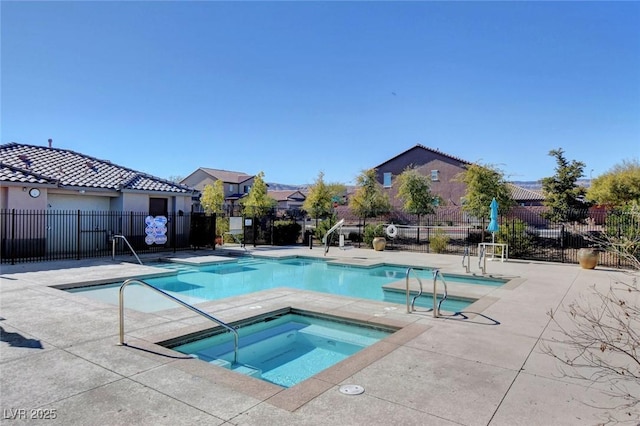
(415, 191)
(619, 187)
(369, 200)
(212, 200)
(563, 195)
(321, 196)
(600, 338)
(483, 183)
(257, 203)
(212, 197)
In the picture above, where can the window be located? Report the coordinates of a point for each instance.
(231, 187)
(386, 179)
(247, 188)
(435, 176)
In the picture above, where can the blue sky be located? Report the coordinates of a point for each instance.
(295, 88)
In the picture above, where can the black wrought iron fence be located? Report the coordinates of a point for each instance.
(28, 236)
(526, 231)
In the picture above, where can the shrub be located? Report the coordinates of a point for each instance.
(285, 232)
(371, 232)
(439, 241)
(623, 227)
(517, 236)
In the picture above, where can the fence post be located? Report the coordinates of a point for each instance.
(562, 249)
(13, 236)
(78, 238)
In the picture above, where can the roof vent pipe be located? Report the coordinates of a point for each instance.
(50, 142)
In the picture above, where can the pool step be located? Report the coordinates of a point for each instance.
(180, 267)
(338, 335)
(245, 369)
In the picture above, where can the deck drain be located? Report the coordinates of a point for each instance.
(351, 389)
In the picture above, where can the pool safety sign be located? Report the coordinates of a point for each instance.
(156, 230)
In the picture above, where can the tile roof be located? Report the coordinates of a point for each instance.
(66, 168)
(284, 195)
(227, 175)
(519, 193)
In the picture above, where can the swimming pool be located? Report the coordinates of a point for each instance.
(284, 349)
(194, 284)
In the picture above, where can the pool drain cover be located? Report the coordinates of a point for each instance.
(351, 389)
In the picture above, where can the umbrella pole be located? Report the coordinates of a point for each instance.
(493, 247)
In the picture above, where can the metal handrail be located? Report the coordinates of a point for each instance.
(325, 239)
(411, 303)
(436, 304)
(236, 337)
(113, 245)
(436, 308)
(466, 255)
(482, 259)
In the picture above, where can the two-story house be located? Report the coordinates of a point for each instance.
(441, 168)
(236, 185)
(287, 199)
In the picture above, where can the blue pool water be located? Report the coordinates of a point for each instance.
(212, 282)
(285, 350)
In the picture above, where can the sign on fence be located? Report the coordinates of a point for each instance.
(156, 230)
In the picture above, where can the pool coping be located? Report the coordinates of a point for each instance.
(292, 398)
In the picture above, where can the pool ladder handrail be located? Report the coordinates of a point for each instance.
(325, 239)
(236, 337)
(436, 304)
(113, 247)
(466, 255)
(482, 259)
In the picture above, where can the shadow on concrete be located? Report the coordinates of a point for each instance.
(18, 340)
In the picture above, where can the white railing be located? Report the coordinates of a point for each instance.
(325, 239)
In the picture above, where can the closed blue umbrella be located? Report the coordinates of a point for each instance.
(493, 224)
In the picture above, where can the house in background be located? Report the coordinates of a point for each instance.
(287, 199)
(45, 178)
(525, 197)
(441, 168)
(236, 185)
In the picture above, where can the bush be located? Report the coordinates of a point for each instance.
(517, 236)
(439, 241)
(285, 232)
(371, 232)
(623, 227)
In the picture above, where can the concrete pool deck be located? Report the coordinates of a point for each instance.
(59, 354)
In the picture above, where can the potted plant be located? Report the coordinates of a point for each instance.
(374, 236)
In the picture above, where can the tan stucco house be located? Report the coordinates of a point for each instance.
(236, 184)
